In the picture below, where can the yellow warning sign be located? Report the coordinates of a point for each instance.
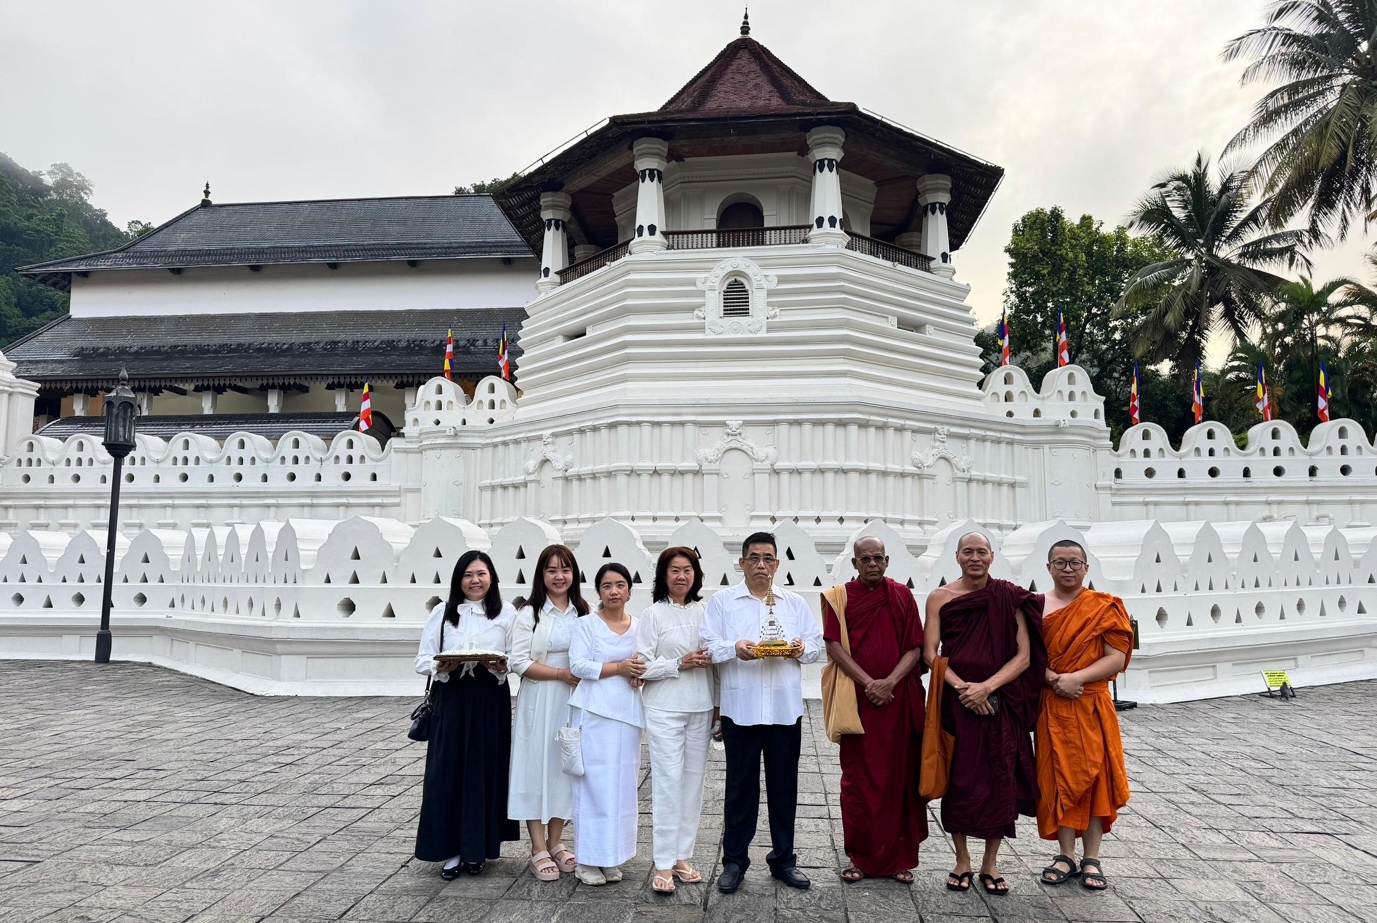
(1275, 679)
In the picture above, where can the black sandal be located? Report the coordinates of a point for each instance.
(1098, 875)
(1055, 876)
(991, 885)
(961, 882)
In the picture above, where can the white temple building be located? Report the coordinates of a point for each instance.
(746, 315)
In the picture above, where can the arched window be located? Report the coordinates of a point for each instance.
(741, 215)
(736, 299)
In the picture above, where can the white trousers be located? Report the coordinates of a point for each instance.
(678, 760)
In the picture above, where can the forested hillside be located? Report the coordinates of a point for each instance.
(45, 216)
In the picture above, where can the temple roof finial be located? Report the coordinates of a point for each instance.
(205, 196)
(746, 22)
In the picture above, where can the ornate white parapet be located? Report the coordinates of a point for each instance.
(825, 153)
(554, 253)
(651, 159)
(934, 195)
(16, 407)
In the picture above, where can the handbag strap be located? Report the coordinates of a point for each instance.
(836, 598)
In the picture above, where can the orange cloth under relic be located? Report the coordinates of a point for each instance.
(1080, 757)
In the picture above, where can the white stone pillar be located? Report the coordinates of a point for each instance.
(584, 251)
(341, 400)
(554, 254)
(81, 404)
(209, 400)
(825, 154)
(274, 400)
(651, 159)
(409, 397)
(934, 195)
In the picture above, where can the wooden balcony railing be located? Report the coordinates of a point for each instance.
(593, 263)
(737, 237)
(748, 237)
(890, 253)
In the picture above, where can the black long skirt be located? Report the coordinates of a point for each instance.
(468, 758)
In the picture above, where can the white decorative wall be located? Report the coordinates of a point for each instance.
(336, 607)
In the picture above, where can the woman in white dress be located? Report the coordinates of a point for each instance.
(607, 705)
(679, 695)
(462, 821)
(540, 793)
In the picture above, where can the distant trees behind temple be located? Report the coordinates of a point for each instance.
(45, 217)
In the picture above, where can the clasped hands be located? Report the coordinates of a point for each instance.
(975, 696)
(880, 691)
(633, 668)
(1065, 685)
(745, 650)
(695, 659)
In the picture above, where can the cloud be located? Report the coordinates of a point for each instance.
(1083, 104)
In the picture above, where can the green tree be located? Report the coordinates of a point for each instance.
(1079, 268)
(1216, 275)
(1320, 123)
(492, 185)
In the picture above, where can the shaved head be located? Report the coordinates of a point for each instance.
(973, 538)
(869, 542)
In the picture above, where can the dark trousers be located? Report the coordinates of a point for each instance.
(779, 744)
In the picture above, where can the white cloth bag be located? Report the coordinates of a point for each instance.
(571, 747)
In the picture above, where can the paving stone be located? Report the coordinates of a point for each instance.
(302, 810)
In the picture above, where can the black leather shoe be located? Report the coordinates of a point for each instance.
(450, 874)
(730, 879)
(472, 868)
(792, 877)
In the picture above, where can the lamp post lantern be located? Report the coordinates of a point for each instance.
(121, 411)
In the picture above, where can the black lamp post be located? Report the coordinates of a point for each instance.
(121, 410)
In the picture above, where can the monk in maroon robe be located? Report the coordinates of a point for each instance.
(989, 631)
(883, 817)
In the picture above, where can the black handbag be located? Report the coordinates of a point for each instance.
(420, 718)
(420, 715)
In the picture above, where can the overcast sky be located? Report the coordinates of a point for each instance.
(1083, 102)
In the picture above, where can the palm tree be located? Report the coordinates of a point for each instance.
(1320, 124)
(1216, 279)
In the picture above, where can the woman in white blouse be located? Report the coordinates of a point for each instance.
(541, 794)
(679, 696)
(607, 706)
(462, 822)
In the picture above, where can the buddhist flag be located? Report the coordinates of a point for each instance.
(1004, 338)
(1198, 396)
(366, 411)
(503, 361)
(1133, 397)
(1264, 402)
(449, 353)
(1063, 348)
(1322, 402)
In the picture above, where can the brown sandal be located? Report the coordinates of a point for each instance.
(851, 874)
(904, 878)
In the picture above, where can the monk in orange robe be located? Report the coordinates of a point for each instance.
(1082, 783)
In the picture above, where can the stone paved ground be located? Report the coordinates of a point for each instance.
(132, 793)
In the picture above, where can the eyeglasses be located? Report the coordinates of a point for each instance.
(765, 559)
(872, 558)
(1062, 564)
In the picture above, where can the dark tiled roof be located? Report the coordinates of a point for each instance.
(745, 77)
(228, 348)
(217, 426)
(328, 231)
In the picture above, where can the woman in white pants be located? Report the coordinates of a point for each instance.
(607, 706)
(679, 695)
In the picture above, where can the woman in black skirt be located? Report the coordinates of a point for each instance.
(464, 798)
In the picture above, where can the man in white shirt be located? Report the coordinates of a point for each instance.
(762, 709)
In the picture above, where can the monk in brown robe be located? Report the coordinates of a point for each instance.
(990, 634)
(883, 817)
(1082, 783)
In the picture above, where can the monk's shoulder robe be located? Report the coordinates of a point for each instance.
(883, 818)
(1080, 758)
(993, 776)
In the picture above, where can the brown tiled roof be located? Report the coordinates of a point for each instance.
(744, 77)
